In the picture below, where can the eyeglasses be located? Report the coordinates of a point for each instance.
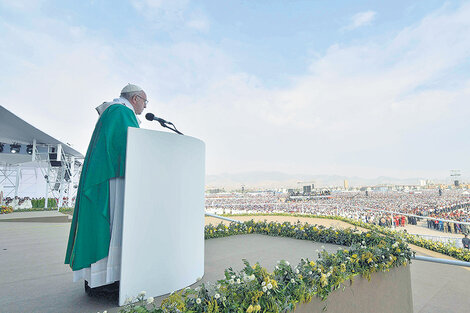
(145, 100)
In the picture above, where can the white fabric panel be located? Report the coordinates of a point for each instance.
(163, 229)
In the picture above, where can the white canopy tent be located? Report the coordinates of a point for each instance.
(35, 164)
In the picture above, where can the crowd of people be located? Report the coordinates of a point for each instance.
(380, 208)
(18, 203)
(23, 203)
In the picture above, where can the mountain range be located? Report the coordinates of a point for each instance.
(267, 180)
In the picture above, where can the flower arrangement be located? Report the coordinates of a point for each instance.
(254, 289)
(444, 248)
(5, 209)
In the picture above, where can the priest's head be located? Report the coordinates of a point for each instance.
(136, 96)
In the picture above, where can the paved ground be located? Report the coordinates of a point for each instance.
(33, 277)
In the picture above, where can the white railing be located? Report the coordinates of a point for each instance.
(456, 242)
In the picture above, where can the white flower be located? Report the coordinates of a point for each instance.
(251, 277)
(224, 298)
(269, 286)
(238, 281)
(297, 271)
(217, 296)
(150, 300)
(292, 280)
(310, 273)
(198, 301)
(287, 263)
(142, 294)
(263, 283)
(323, 247)
(328, 274)
(363, 242)
(264, 288)
(233, 276)
(277, 267)
(129, 299)
(231, 281)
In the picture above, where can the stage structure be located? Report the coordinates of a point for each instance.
(31, 158)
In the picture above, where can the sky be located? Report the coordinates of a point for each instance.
(364, 88)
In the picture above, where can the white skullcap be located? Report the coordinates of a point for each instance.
(131, 88)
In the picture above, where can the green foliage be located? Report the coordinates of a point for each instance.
(40, 203)
(254, 289)
(441, 247)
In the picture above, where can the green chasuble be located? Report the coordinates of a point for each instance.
(105, 159)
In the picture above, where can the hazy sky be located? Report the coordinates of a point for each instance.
(319, 87)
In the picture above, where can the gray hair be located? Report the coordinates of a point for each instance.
(129, 95)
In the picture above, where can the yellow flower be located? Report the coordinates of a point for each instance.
(398, 250)
(346, 251)
(368, 235)
(250, 309)
(354, 256)
(274, 283)
(257, 308)
(369, 260)
(312, 264)
(323, 280)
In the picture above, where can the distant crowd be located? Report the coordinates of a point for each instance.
(23, 203)
(18, 203)
(452, 205)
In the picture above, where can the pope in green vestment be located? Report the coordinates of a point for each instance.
(90, 232)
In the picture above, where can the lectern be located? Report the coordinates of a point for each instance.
(163, 220)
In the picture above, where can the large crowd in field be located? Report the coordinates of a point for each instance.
(380, 208)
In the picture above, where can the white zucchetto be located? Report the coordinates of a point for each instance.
(130, 88)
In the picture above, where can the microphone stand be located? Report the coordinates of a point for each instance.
(173, 129)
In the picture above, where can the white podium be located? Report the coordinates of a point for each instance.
(163, 221)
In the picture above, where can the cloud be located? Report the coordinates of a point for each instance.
(172, 15)
(361, 19)
(22, 5)
(199, 24)
(359, 109)
(370, 103)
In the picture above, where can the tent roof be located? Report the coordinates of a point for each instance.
(15, 129)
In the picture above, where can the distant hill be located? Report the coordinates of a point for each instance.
(259, 179)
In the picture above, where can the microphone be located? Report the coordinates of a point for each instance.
(152, 117)
(163, 123)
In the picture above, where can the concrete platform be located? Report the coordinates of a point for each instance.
(36, 217)
(33, 277)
